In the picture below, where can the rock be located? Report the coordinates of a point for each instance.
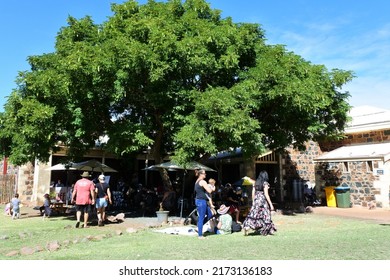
(99, 237)
(65, 243)
(27, 251)
(12, 253)
(309, 209)
(53, 246)
(120, 217)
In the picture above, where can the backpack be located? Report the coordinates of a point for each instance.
(236, 227)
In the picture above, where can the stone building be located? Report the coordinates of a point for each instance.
(359, 161)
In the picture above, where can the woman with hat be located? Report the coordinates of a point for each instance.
(83, 196)
(224, 225)
(103, 197)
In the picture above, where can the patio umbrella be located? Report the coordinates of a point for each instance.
(61, 166)
(193, 165)
(170, 165)
(93, 165)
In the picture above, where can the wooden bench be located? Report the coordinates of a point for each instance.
(58, 208)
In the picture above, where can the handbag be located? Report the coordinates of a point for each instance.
(105, 195)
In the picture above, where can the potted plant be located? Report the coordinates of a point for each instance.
(162, 215)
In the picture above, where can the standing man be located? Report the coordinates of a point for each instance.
(83, 196)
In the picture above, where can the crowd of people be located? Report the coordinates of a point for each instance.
(218, 208)
(227, 218)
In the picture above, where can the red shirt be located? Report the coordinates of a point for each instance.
(83, 188)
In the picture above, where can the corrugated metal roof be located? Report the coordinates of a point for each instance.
(363, 152)
(368, 118)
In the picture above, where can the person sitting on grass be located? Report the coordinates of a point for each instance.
(7, 209)
(224, 223)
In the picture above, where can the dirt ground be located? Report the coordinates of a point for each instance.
(376, 214)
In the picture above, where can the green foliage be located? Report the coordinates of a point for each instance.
(174, 76)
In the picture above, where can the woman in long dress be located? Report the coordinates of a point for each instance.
(259, 217)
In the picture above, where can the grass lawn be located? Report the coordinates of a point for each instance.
(299, 237)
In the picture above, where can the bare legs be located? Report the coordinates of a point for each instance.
(101, 214)
(78, 217)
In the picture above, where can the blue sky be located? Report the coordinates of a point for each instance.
(347, 34)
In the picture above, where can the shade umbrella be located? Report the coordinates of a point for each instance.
(171, 165)
(93, 165)
(193, 165)
(61, 166)
(155, 168)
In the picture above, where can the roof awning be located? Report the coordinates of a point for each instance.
(364, 152)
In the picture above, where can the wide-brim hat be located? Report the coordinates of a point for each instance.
(223, 209)
(85, 174)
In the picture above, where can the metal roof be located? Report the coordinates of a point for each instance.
(362, 152)
(368, 118)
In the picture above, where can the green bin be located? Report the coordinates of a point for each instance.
(343, 197)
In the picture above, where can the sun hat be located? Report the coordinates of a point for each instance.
(101, 177)
(85, 174)
(223, 209)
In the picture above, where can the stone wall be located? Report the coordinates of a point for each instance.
(299, 164)
(366, 188)
(26, 183)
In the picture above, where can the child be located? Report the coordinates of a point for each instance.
(15, 202)
(210, 200)
(7, 209)
(46, 206)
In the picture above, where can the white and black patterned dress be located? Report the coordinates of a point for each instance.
(259, 217)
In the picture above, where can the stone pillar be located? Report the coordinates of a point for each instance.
(41, 181)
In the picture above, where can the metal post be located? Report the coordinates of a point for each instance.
(146, 166)
(182, 193)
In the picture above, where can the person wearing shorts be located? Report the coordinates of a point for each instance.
(103, 197)
(83, 196)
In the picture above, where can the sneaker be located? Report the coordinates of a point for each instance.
(77, 225)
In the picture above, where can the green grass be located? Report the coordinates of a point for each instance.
(299, 237)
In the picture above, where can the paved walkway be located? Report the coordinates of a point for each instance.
(377, 214)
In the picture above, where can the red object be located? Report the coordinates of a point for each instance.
(5, 165)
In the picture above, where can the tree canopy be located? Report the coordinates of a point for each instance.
(174, 76)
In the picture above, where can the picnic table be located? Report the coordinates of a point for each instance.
(58, 207)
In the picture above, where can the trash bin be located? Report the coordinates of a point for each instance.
(330, 196)
(343, 197)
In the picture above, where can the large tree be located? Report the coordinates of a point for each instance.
(174, 76)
